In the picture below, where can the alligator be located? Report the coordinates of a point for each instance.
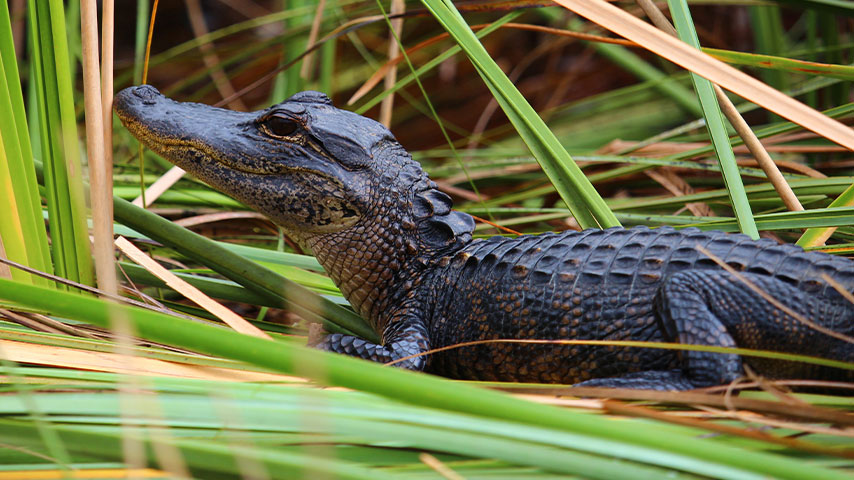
(341, 186)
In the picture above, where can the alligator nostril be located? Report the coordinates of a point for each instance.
(146, 93)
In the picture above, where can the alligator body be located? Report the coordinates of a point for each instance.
(341, 185)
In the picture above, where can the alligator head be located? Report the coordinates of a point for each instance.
(337, 182)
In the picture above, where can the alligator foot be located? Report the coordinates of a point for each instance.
(405, 347)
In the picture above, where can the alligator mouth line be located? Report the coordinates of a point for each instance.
(166, 146)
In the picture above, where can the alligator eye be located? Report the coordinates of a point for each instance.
(280, 126)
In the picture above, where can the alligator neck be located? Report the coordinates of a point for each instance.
(368, 270)
(411, 225)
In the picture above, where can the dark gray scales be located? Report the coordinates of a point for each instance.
(633, 284)
(340, 185)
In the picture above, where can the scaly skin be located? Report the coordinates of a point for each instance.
(341, 185)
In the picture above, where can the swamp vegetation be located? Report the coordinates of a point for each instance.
(534, 116)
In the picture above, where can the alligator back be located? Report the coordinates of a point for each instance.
(597, 285)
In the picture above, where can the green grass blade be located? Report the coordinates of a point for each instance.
(811, 45)
(816, 232)
(141, 35)
(782, 64)
(398, 425)
(831, 186)
(72, 171)
(327, 68)
(289, 81)
(207, 459)
(770, 39)
(582, 199)
(57, 131)
(22, 204)
(830, 34)
(715, 124)
(213, 287)
(818, 219)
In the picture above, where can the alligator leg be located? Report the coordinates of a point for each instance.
(401, 339)
(715, 308)
(690, 309)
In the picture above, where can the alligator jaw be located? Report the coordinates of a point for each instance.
(182, 132)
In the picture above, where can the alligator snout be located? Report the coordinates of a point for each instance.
(146, 93)
(155, 119)
(131, 97)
